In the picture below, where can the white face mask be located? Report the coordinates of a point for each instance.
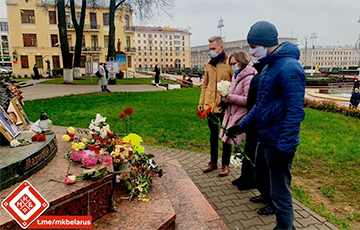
(213, 53)
(235, 67)
(259, 52)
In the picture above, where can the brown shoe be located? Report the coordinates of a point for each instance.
(224, 171)
(212, 166)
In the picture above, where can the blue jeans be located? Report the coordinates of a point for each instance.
(273, 176)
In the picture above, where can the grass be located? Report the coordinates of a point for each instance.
(94, 81)
(328, 156)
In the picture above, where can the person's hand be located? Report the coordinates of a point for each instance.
(200, 107)
(234, 131)
(225, 99)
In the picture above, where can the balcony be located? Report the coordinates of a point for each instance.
(130, 49)
(129, 29)
(87, 27)
(87, 50)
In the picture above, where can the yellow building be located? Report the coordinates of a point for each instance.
(34, 35)
(167, 47)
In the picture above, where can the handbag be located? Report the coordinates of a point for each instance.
(98, 74)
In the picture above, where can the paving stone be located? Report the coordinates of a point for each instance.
(268, 219)
(308, 221)
(223, 211)
(216, 193)
(214, 199)
(297, 224)
(241, 201)
(302, 213)
(204, 185)
(252, 222)
(233, 217)
(239, 208)
(236, 225)
(322, 227)
(228, 197)
(211, 179)
(331, 226)
(220, 205)
(255, 206)
(205, 190)
(266, 227)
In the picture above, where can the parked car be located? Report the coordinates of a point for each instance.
(3, 70)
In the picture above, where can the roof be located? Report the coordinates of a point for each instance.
(166, 29)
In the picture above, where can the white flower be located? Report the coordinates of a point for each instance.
(223, 87)
(14, 143)
(151, 164)
(236, 161)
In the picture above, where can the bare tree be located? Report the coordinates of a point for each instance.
(144, 9)
(66, 55)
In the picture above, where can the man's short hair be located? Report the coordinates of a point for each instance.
(216, 39)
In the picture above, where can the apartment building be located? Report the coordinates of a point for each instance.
(163, 46)
(5, 57)
(330, 57)
(34, 35)
(200, 54)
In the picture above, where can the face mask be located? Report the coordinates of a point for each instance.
(235, 67)
(213, 54)
(259, 52)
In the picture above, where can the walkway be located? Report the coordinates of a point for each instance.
(232, 205)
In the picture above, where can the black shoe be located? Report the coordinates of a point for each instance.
(236, 182)
(257, 199)
(245, 186)
(267, 210)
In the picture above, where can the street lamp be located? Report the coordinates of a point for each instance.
(313, 36)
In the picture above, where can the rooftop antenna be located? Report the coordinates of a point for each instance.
(220, 25)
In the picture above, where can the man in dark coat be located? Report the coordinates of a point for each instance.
(277, 115)
(157, 75)
(36, 72)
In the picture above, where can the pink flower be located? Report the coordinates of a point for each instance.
(75, 156)
(107, 160)
(70, 179)
(93, 161)
(86, 162)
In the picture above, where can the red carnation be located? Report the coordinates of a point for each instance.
(111, 135)
(128, 111)
(203, 115)
(122, 115)
(208, 110)
(34, 138)
(198, 113)
(41, 138)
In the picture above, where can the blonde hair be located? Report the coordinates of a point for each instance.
(216, 39)
(242, 57)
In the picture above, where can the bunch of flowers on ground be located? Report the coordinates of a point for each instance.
(105, 148)
(332, 107)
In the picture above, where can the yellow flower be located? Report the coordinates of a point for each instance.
(139, 149)
(84, 140)
(80, 145)
(71, 130)
(65, 138)
(134, 138)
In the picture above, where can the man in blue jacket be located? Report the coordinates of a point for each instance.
(277, 115)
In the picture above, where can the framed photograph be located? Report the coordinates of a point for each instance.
(7, 126)
(19, 110)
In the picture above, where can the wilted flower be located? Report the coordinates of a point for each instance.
(70, 179)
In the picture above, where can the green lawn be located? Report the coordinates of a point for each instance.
(94, 81)
(328, 154)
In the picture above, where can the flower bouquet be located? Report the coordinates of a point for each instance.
(224, 89)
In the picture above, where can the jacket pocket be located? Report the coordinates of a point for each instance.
(275, 113)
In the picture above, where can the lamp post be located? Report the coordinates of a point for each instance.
(313, 36)
(150, 44)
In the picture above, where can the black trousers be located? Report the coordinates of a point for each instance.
(247, 169)
(214, 119)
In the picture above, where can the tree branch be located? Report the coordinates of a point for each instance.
(121, 2)
(73, 16)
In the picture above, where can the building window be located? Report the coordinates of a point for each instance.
(139, 41)
(39, 62)
(4, 26)
(52, 17)
(78, 17)
(129, 61)
(128, 42)
(183, 37)
(106, 19)
(183, 44)
(138, 35)
(67, 18)
(150, 59)
(139, 53)
(144, 41)
(93, 23)
(69, 40)
(106, 41)
(155, 54)
(127, 21)
(29, 40)
(160, 36)
(27, 16)
(139, 48)
(56, 61)
(156, 59)
(24, 61)
(176, 36)
(139, 59)
(54, 40)
(83, 41)
(94, 41)
(82, 61)
(170, 48)
(144, 35)
(170, 37)
(176, 42)
(96, 58)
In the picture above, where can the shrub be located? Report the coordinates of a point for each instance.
(331, 107)
(57, 71)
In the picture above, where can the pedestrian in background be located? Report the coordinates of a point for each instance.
(277, 114)
(36, 72)
(102, 78)
(216, 70)
(236, 99)
(355, 99)
(157, 75)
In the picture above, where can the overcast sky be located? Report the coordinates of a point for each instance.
(335, 22)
